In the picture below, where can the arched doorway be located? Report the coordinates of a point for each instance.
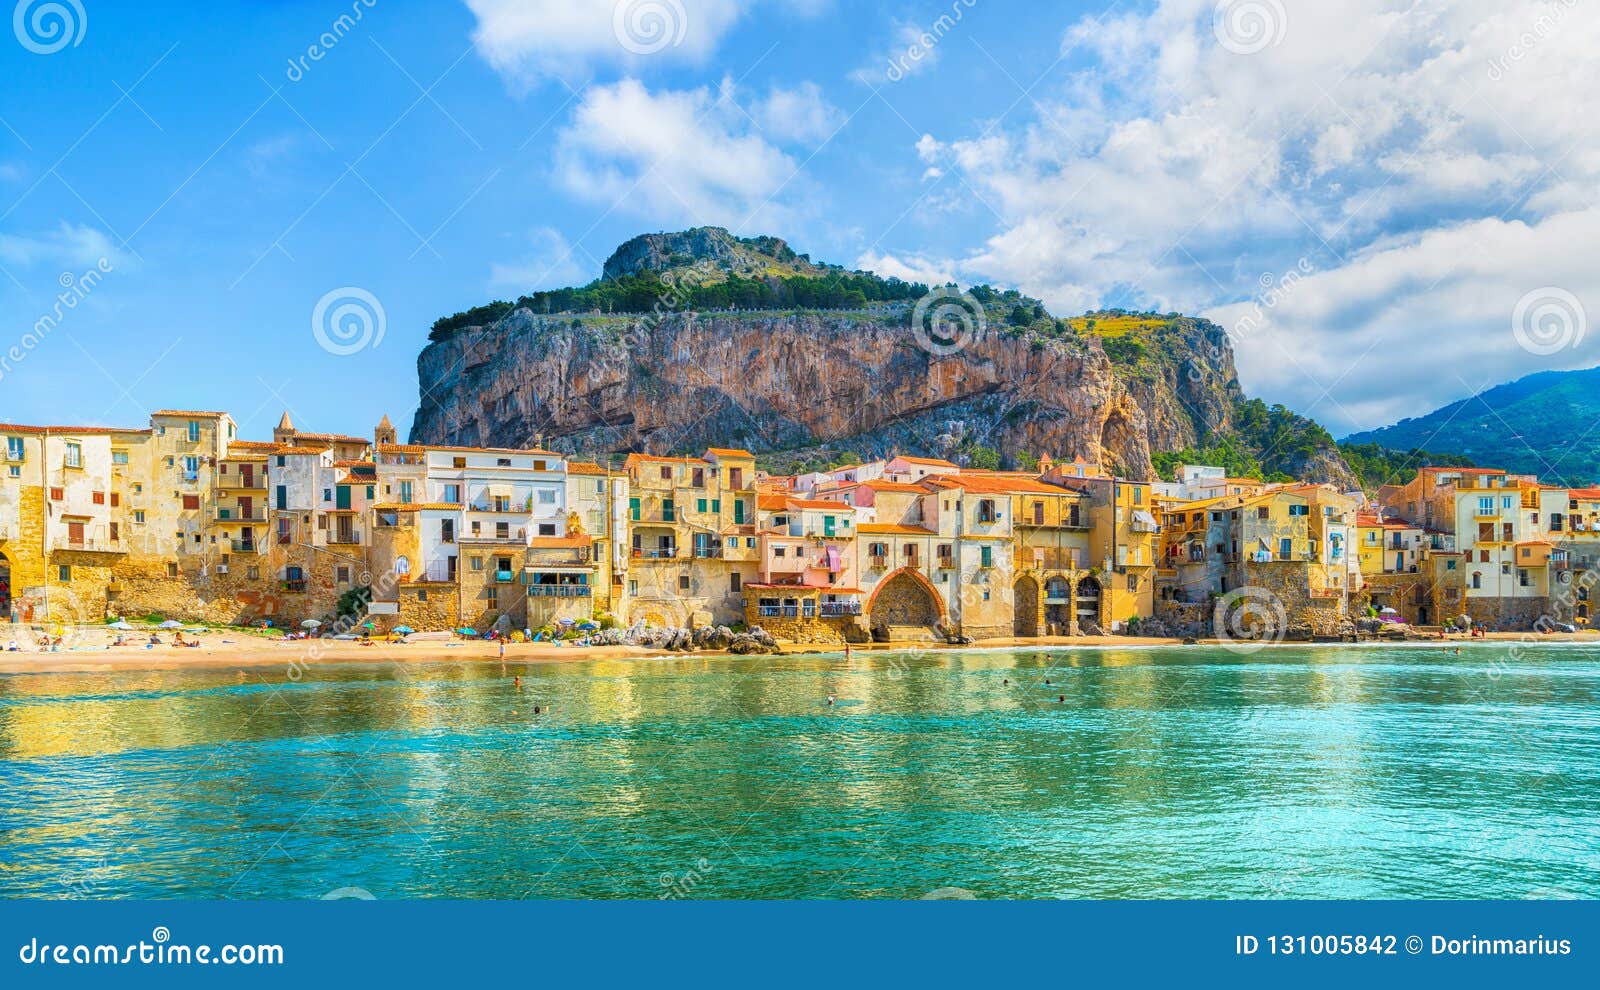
(906, 601)
(5, 589)
(1089, 601)
(1025, 599)
(1057, 606)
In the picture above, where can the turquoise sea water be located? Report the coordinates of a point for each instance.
(1134, 773)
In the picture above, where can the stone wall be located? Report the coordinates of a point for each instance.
(1305, 615)
(1509, 613)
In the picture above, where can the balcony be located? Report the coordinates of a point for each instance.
(708, 552)
(235, 516)
(830, 610)
(344, 539)
(247, 546)
(87, 544)
(234, 482)
(878, 560)
(505, 577)
(659, 553)
(294, 586)
(779, 611)
(559, 591)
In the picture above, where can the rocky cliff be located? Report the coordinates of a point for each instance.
(867, 381)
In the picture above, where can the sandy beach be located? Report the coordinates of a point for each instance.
(227, 651)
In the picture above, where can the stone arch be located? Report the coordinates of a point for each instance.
(1026, 606)
(905, 598)
(1058, 604)
(1090, 598)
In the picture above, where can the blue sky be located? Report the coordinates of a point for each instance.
(1384, 201)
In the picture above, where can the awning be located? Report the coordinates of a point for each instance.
(1141, 516)
(499, 491)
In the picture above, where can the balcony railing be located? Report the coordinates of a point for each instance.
(559, 591)
(660, 553)
(835, 609)
(247, 546)
(234, 515)
(344, 539)
(779, 611)
(505, 577)
(295, 586)
(709, 552)
(87, 544)
(254, 483)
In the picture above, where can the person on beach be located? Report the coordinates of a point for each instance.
(502, 651)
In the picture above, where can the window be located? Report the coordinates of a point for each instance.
(502, 531)
(986, 512)
(341, 575)
(447, 531)
(667, 509)
(698, 480)
(458, 462)
(475, 563)
(600, 486)
(778, 551)
(1477, 579)
(194, 431)
(452, 494)
(502, 462)
(15, 471)
(1449, 565)
(1299, 510)
(547, 496)
(547, 529)
(172, 570)
(633, 509)
(119, 457)
(683, 582)
(14, 449)
(405, 492)
(74, 455)
(138, 516)
(64, 573)
(191, 503)
(253, 572)
(1505, 502)
(1262, 512)
(98, 498)
(733, 582)
(699, 505)
(57, 494)
(666, 473)
(986, 557)
(491, 596)
(191, 468)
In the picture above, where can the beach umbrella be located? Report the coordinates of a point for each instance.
(588, 626)
(1387, 611)
(464, 631)
(311, 624)
(369, 625)
(170, 624)
(566, 621)
(121, 626)
(404, 630)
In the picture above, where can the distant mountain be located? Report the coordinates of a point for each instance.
(1546, 424)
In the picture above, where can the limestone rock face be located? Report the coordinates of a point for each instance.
(853, 380)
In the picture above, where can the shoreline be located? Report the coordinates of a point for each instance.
(217, 653)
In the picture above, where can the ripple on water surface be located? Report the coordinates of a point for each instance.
(1295, 772)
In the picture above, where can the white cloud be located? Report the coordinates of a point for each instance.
(551, 263)
(526, 39)
(912, 268)
(677, 155)
(12, 172)
(68, 246)
(1444, 140)
(800, 114)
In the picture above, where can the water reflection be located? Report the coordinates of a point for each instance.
(1309, 772)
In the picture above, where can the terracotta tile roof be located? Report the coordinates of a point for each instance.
(251, 445)
(329, 438)
(301, 451)
(1468, 470)
(189, 412)
(653, 459)
(1584, 493)
(819, 589)
(400, 448)
(585, 467)
(879, 485)
(729, 452)
(483, 450)
(894, 529)
(86, 430)
(933, 461)
(560, 542)
(778, 503)
(997, 485)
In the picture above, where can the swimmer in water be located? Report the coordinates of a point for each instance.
(1062, 698)
(536, 709)
(830, 699)
(518, 680)
(1047, 680)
